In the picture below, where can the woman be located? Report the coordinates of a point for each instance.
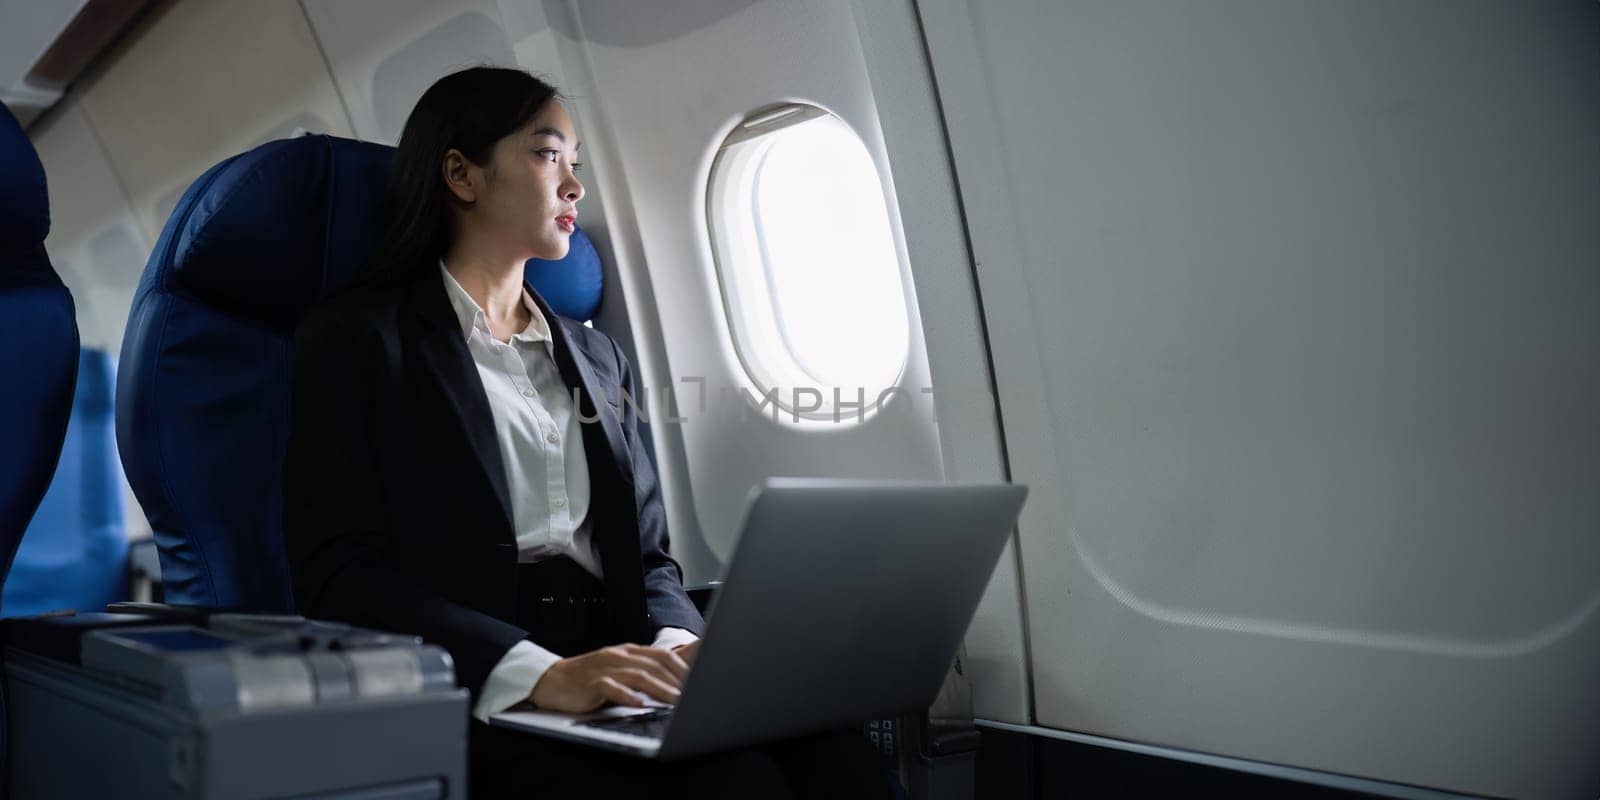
(440, 481)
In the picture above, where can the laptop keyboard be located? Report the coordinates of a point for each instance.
(651, 724)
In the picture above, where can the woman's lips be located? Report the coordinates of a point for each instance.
(566, 222)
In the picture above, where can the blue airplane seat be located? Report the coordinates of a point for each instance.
(38, 352)
(74, 554)
(39, 332)
(203, 388)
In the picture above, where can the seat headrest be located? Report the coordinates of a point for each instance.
(572, 285)
(23, 194)
(270, 231)
(267, 233)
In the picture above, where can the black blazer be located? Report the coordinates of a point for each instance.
(396, 513)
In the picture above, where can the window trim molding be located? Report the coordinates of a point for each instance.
(733, 228)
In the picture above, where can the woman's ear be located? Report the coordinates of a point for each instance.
(458, 176)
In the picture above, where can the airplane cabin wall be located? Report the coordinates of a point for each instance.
(96, 241)
(651, 147)
(1292, 308)
(193, 84)
(202, 82)
(197, 82)
(669, 83)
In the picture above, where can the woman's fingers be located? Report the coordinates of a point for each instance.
(643, 681)
(667, 659)
(624, 658)
(687, 652)
(613, 691)
(626, 674)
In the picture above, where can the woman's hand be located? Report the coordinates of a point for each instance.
(623, 674)
(687, 651)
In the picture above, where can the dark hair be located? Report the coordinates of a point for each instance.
(468, 110)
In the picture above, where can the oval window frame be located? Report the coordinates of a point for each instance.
(749, 302)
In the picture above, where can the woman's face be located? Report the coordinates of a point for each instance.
(525, 199)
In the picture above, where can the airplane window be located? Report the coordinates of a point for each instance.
(807, 263)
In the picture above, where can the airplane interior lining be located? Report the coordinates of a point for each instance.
(1284, 312)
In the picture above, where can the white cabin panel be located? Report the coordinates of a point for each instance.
(952, 325)
(198, 82)
(383, 55)
(96, 241)
(1293, 311)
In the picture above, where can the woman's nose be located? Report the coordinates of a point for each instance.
(573, 190)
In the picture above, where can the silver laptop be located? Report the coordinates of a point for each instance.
(844, 601)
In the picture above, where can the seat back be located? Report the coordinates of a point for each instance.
(203, 385)
(38, 341)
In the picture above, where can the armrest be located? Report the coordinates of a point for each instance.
(144, 569)
(165, 613)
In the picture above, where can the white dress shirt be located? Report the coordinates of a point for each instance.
(541, 445)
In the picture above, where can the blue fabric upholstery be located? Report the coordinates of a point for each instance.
(39, 332)
(75, 551)
(203, 389)
(26, 218)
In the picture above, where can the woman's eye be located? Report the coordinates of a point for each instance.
(549, 154)
(577, 165)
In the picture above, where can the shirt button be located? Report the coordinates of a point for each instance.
(527, 392)
(561, 502)
(552, 438)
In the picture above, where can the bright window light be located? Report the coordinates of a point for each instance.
(807, 262)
